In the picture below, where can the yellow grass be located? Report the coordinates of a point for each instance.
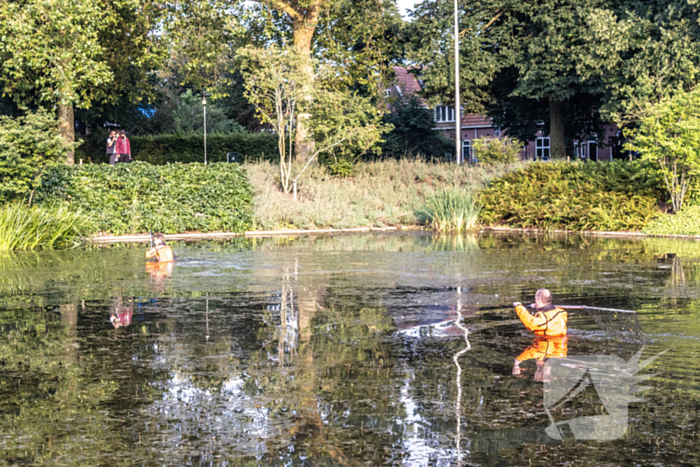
(385, 193)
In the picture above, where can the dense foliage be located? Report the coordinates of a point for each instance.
(504, 150)
(27, 144)
(413, 134)
(187, 147)
(573, 196)
(23, 228)
(139, 197)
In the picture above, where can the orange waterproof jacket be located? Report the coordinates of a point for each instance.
(544, 348)
(162, 253)
(550, 321)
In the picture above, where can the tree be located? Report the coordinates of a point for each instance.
(68, 54)
(413, 132)
(659, 53)
(27, 145)
(542, 53)
(668, 135)
(358, 36)
(49, 50)
(277, 84)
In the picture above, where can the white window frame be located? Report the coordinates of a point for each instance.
(466, 148)
(387, 93)
(444, 114)
(543, 148)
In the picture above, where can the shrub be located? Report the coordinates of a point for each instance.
(413, 133)
(504, 150)
(686, 222)
(23, 228)
(450, 210)
(187, 147)
(572, 195)
(130, 198)
(27, 144)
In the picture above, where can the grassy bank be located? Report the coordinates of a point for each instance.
(378, 194)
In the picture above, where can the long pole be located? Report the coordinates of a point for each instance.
(205, 134)
(458, 113)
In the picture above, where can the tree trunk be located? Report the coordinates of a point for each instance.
(66, 128)
(303, 34)
(557, 137)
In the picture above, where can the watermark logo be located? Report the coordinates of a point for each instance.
(613, 379)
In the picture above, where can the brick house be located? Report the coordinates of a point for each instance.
(597, 148)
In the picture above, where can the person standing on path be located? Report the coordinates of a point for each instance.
(112, 147)
(123, 147)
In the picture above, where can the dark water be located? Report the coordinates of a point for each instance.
(335, 351)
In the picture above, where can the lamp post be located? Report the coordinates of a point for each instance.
(204, 106)
(458, 112)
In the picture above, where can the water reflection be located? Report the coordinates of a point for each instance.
(355, 350)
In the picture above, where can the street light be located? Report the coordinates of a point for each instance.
(204, 106)
(458, 112)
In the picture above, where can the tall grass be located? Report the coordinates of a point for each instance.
(381, 193)
(450, 209)
(23, 228)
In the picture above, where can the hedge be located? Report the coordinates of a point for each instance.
(186, 148)
(138, 197)
(574, 196)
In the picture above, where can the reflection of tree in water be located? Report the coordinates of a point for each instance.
(51, 392)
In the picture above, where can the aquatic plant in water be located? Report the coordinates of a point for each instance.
(450, 210)
(23, 228)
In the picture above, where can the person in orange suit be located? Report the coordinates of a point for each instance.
(548, 321)
(549, 326)
(160, 251)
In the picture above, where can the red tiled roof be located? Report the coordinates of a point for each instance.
(406, 81)
(476, 120)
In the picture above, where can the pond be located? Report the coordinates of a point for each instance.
(345, 350)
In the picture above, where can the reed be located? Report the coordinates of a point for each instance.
(450, 209)
(23, 228)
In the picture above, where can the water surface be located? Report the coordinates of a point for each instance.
(336, 351)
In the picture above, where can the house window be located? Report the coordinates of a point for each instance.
(387, 93)
(542, 148)
(466, 150)
(444, 114)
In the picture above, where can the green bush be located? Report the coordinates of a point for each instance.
(574, 196)
(23, 228)
(187, 147)
(686, 222)
(505, 150)
(413, 134)
(27, 144)
(450, 210)
(139, 197)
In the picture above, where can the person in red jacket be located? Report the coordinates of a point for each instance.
(123, 147)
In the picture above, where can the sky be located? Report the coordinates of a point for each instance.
(404, 4)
